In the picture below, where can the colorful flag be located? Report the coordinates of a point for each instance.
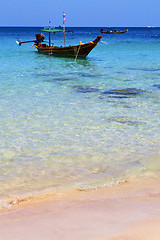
(64, 17)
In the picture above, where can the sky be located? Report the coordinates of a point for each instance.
(80, 13)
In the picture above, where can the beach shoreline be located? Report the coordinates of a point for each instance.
(128, 211)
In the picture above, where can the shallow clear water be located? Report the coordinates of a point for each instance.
(66, 123)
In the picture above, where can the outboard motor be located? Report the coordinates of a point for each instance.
(40, 37)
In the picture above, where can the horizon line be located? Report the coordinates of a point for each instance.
(93, 26)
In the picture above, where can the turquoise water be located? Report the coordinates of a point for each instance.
(77, 124)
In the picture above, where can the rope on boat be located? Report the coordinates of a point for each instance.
(51, 48)
(25, 48)
(50, 51)
(78, 51)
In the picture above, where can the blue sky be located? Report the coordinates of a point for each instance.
(79, 13)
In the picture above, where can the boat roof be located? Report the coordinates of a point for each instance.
(51, 30)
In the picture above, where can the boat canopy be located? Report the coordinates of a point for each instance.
(51, 30)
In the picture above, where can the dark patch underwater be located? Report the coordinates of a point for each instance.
(86, 89)
(156, 85)
(123, 92)
(124, 120)
(144, 69)
(59, 79)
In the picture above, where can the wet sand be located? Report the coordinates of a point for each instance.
(130, 211)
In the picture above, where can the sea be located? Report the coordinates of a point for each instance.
(82, 124)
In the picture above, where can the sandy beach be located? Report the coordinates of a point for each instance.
(128, 211)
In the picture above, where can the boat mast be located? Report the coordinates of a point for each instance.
(49, 34)
(64, 16)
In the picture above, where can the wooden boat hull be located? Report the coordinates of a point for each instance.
(81, 50)
(114, 32)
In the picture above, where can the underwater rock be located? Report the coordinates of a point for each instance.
(89, 75)
(150, 69)
(144, 69)
(124, 120)
(156, 85)
(125, 91)
(58, 79)
(117, 96)
(87, 89)
(86, 75)
(62, 79)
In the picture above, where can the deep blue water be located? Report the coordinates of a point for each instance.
(78, 124)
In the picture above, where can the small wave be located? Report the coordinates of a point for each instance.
(14, 200)
(111, 183)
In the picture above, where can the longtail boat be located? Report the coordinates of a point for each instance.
(80, 50)
(114, 31)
